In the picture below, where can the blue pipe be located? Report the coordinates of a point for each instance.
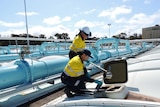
(11, 75)
(23, 72)
(5, 50)
(7, 57)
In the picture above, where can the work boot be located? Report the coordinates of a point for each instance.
(68, 92)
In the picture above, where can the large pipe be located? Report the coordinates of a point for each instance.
(23, 71)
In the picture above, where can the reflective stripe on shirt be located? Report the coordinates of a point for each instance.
(79, 73)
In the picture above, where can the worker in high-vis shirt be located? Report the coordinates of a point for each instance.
(75, 74)
(78, 43)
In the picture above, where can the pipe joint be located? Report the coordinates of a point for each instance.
(24, 67)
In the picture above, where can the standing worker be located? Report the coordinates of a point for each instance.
(78, 43)
(75, 74)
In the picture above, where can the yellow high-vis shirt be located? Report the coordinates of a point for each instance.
(78, 44)
(74, 68)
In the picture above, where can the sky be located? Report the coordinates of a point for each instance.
(105, 18)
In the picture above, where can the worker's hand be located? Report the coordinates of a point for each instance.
(99, 84)
(86, 73)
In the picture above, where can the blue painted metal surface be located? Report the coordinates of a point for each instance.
(23, 72)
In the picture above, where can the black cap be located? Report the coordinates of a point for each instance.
(87, 52)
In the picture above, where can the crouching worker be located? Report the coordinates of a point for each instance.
(75, 74)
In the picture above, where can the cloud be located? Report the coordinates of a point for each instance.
(37, 30)
(125, 0)
(6, 24)
(90, 11)
(139, 19)
(137, 22)
(147, 1)
(82, 23)
(145, 20)
(134, 24)
(56, 20)
(114, 12)
(99, 34)
(66, 19)
(12, 31)
(57, 24)
(52, 20)
(28, 13)
(48, 31)
(121, 20)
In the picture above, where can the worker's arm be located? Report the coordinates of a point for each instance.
(87, 76)
(99, 83)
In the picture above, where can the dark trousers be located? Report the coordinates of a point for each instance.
(70, 82)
